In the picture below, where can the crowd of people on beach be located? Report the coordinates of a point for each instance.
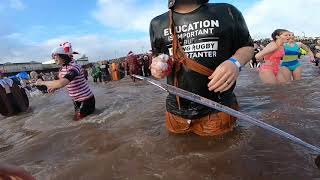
(105, 71)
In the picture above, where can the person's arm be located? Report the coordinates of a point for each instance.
(226, 74)
(56, 84)
(157, 53)
(306, 48)
(60, 83)
(271, 47)
(244, 55)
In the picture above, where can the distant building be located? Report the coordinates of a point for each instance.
(10, 68)
(48, 66)
(49, 62)
(84, 60)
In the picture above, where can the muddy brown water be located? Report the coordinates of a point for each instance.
(126, 137)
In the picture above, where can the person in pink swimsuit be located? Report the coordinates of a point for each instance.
(272, 55)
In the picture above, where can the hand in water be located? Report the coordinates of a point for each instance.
(223, 78)
(38, 82)
(160, 66)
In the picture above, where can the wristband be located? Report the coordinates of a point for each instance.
(236, 62)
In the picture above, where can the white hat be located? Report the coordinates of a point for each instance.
(130, 53)
(64, 48)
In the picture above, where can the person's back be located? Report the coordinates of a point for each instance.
(133, 64)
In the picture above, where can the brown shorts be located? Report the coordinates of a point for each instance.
(210, 125)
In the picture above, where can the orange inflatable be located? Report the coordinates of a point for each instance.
(115, 72)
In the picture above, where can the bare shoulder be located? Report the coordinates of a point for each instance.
(272, 46)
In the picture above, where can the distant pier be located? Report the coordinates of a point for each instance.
(14, 68)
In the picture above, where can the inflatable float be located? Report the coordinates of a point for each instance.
(13, 99)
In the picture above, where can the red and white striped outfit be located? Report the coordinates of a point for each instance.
(78, 88)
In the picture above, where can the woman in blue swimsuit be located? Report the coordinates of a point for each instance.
(291, 67)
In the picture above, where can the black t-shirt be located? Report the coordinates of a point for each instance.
(210, 34)
(107, 69)
(71, 75)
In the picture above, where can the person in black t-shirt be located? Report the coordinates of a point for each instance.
(214, 36)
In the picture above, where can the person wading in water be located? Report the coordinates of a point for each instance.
(290, 66)
(208, 43)
(271, 57)
(71, 75)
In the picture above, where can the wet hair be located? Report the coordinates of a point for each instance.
(66, 58)
(278, 32)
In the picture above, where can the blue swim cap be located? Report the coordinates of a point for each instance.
(23, 75)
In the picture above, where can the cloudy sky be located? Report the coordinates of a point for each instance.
(103, 29)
